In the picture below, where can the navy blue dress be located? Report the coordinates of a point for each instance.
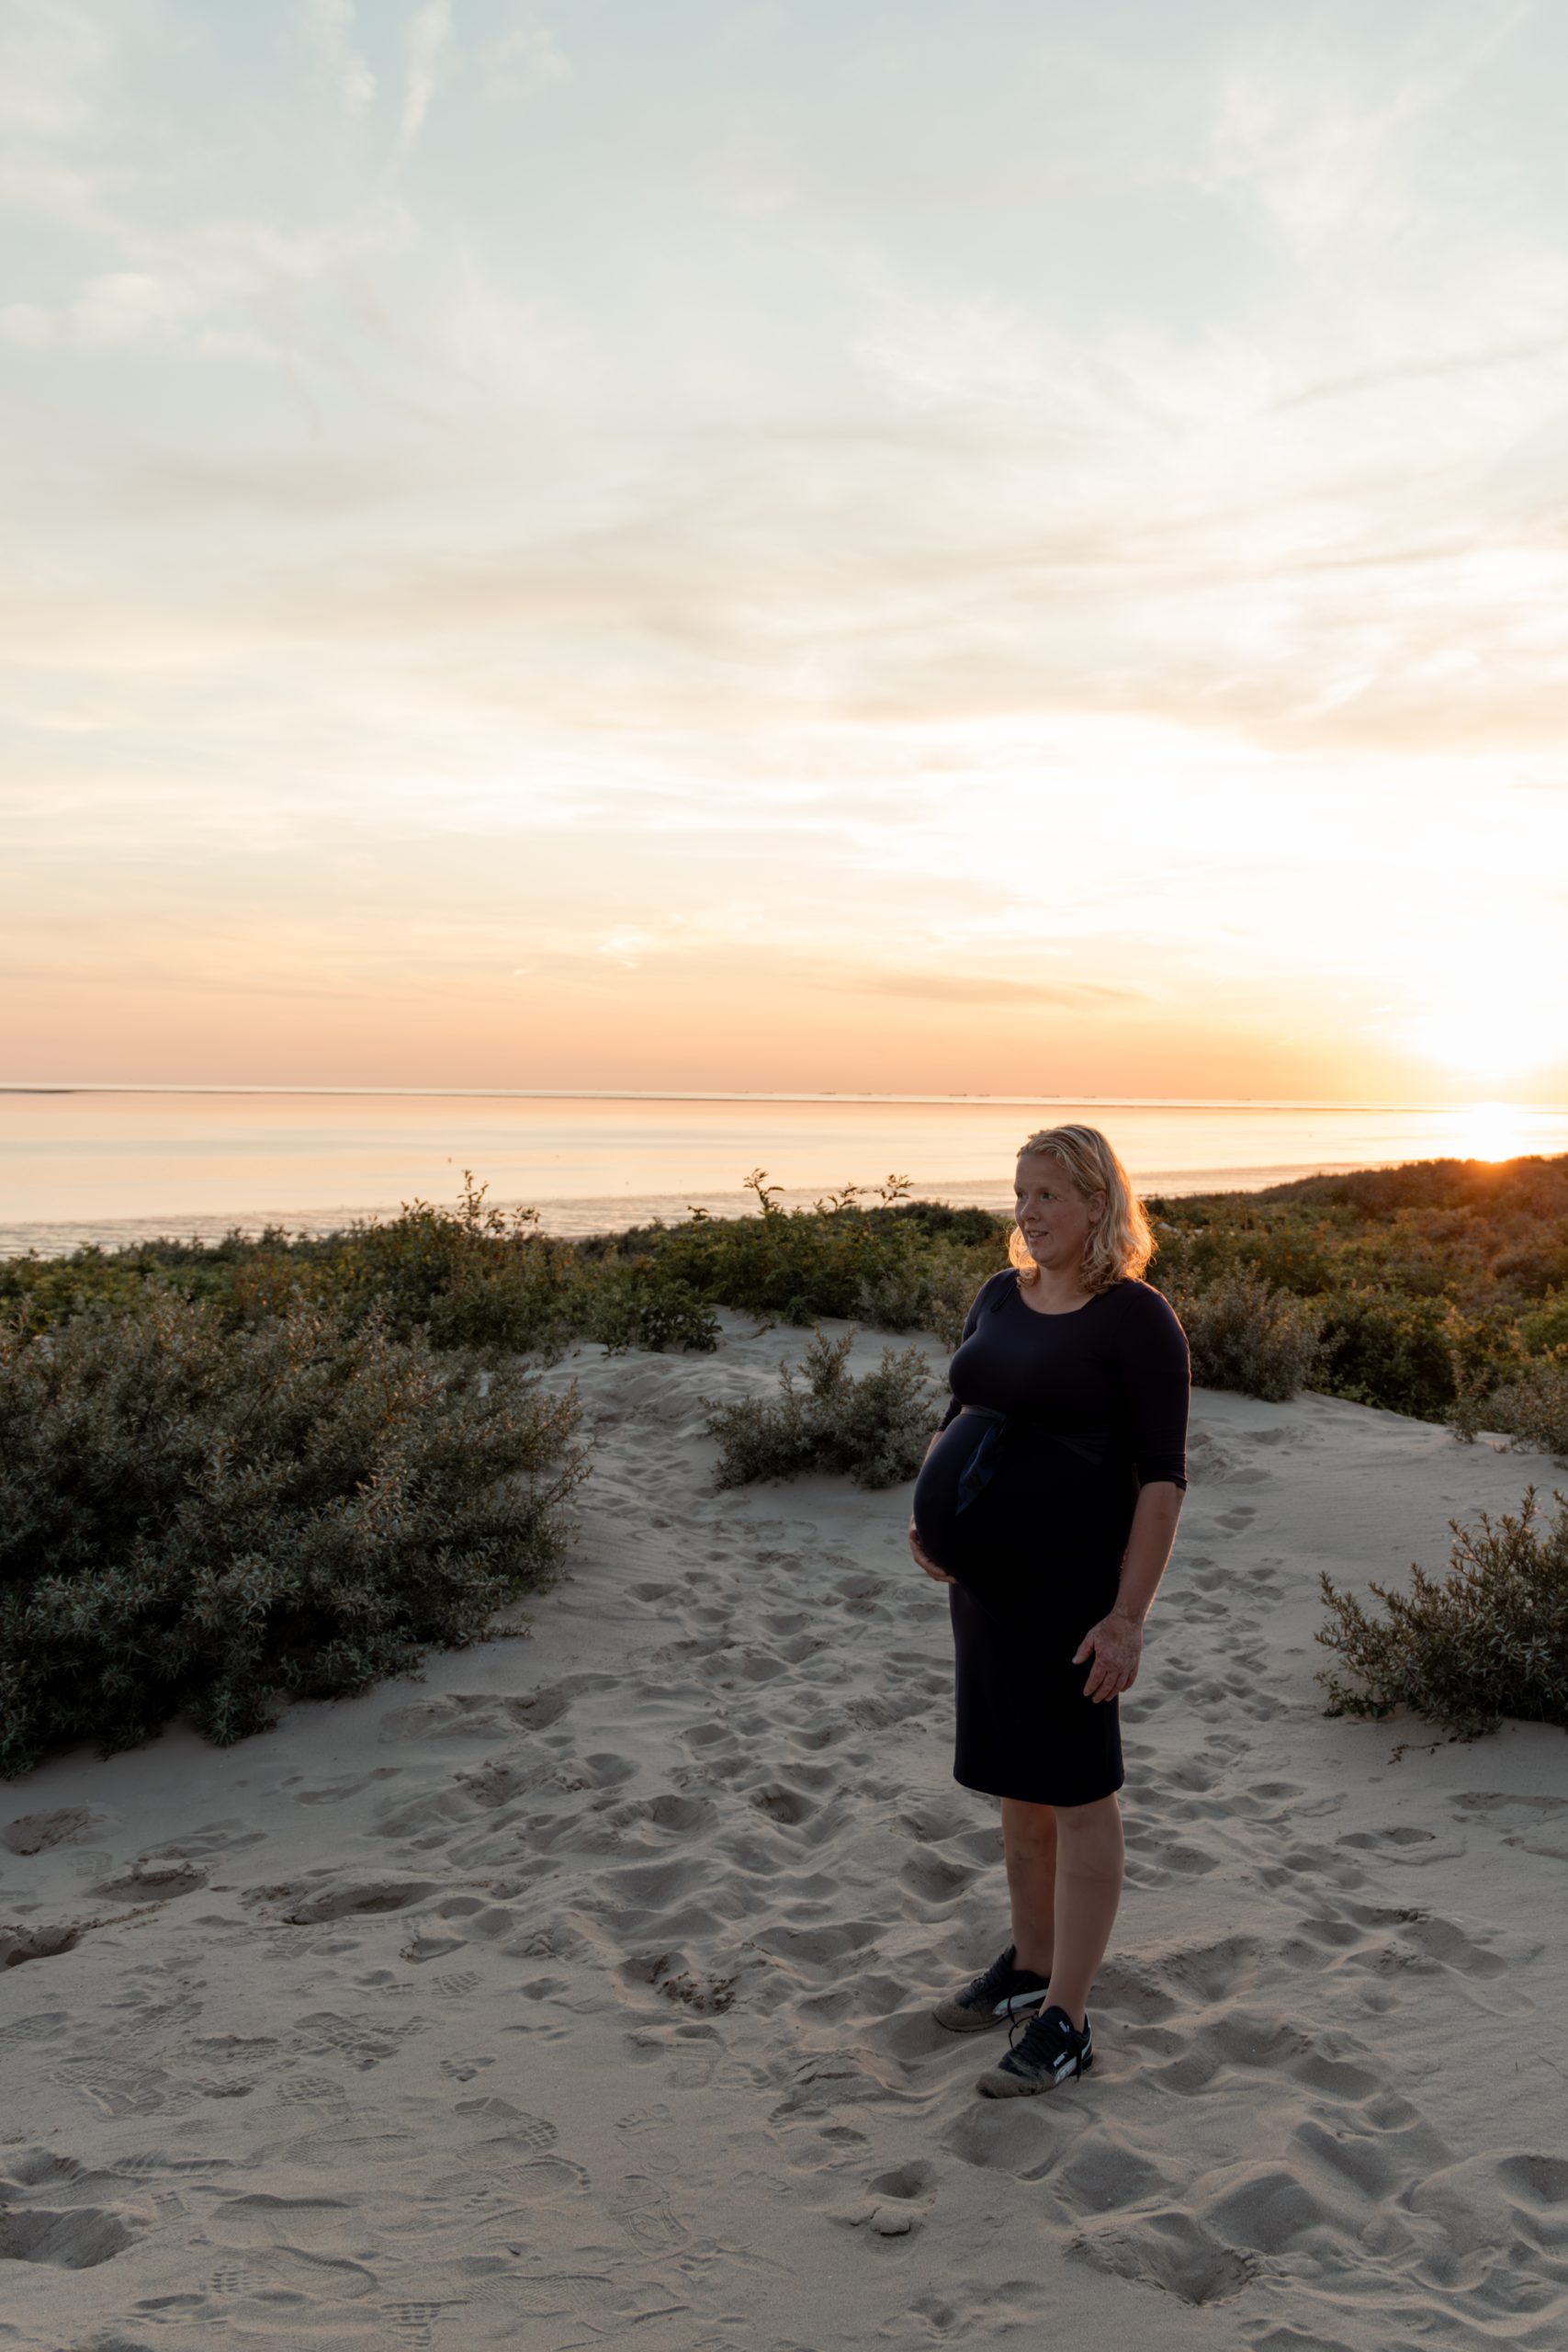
(1027, 1498)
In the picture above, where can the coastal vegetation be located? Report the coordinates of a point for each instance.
(874, 1428)
(1440, 1289)
(1245, 1333)
(1489, 1639)
(204, 1518)
(471, 1276)
(291, 1464)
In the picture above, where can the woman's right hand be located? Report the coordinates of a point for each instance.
(929, 1565)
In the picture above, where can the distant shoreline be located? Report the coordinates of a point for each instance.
(719, 1094)
(578, 1218)
(112, 1165)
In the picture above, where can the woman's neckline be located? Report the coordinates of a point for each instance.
(1056, 1314)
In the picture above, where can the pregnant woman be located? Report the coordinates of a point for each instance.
(1048, 1504)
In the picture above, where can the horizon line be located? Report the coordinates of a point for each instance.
(720, 1094)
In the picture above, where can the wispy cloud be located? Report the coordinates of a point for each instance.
(1328, 136)
(526, 56)
(213, 282)
(1426, 368)
(332, 25)
(959, 988)
(429, 38)
(55, 56)
(971, 584)
(979, 354)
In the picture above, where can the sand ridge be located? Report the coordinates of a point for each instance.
(576, 1995)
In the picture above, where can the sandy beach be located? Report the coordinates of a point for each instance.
(578, 1993)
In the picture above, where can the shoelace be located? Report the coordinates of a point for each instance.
(1027, 2027)
(990, 1981)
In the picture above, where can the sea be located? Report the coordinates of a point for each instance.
(110, 1166)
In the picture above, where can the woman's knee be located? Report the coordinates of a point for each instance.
(1090, 1836)
(1028, 1827)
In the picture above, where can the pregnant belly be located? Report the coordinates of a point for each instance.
(1045, 1513)
(938, 1520)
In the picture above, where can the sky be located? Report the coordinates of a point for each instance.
(995, 547)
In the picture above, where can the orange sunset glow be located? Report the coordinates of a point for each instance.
(784, 1175)
(807, 556)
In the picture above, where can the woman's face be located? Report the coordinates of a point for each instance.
(1054, 1216)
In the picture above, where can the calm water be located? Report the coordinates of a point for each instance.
(111, 1167)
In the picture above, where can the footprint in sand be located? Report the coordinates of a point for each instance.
(463, 2070)
(341, 1899)
(312, 2090)
(511, 2124)
(899, 2199)
(361, 2041)
(154, 1879)
(1402, 1842)
(414, 2326)
(642, 2208)
(37, 1833)
(123, 2088)
(53, 2211)
(20, 1944)
(1375, 1940)
(1168, 2249)
(1537, 1825)
(232, 2281)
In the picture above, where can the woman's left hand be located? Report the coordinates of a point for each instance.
(926, 1562)
(1116, 1645)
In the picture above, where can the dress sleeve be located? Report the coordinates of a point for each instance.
(1156, 1380)
(971, 1325)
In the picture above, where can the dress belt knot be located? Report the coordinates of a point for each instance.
(981, 1465)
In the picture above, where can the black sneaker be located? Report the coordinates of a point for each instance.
(1051, 2052)
(1000, 1992)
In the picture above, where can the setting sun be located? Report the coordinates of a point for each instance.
(1498, 1131)
(774, 635)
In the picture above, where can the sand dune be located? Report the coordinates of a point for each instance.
(577, 1995)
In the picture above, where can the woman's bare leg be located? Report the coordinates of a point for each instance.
(1088, 1887)
(1029, 1842)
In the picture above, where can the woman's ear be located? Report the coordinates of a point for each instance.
(1096, 1207)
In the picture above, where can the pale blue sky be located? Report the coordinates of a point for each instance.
(942, 545)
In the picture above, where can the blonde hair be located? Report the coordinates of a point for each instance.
(1121, 1245)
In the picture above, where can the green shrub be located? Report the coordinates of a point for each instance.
(200, 1518)
(1487, 1641)
(636, 1306)
(931, 1290)
(477, 1277)
(1200, 1240)
(467, 1277)
(1530, 1406)
(895, 1262)
(1384, 1350)
(1536, 1266)
(1545, 1332)
(38, 1292)
(472, 1277)
(1245, 1335)
(876, 1427)
(1539, 1183)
